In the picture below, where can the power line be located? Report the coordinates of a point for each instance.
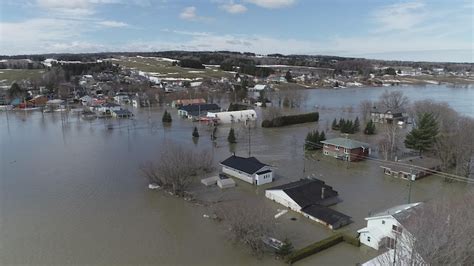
(433, 172)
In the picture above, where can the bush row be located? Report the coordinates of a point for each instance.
(281, 121)
(314, 248)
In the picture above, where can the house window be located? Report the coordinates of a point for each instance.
(391, 242)
(397, 229)
(326, 153)
(346, 151)
(368, 239)
(337, 148)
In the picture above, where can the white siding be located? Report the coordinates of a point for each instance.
(234, 116)
(376, 231)
(281, 197)
(238, 174)
(264, 178)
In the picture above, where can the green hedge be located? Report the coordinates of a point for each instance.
(291, 120)
(351, 240)
(314, 248)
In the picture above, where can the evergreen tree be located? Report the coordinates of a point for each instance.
(213, 136)
(356, 125)
(369, 128)
(195, 133)
(335, 125)
(231, 138)
(422, 137)
(322, 137)
(166, 117)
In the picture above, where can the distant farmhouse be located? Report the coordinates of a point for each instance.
(346, 149)
(249, 170)
(183, 102)
(388, 116)
(310, 197)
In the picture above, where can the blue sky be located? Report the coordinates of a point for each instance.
(402, 30)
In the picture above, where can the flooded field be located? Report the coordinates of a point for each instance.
(71, 190)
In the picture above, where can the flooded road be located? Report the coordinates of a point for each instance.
(71, 191)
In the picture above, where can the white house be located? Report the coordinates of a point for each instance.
(386, 230)
(249, 170)
(233, 116)
(108, 108)
(383, 227)
(310, 198)
(122, 98)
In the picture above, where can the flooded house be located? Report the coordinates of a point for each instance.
(388, 116)
(122, 113)
(107, 108)
(310, 198)
(412, 168)
(197, 110)
(233, 116)
(346, 149)
(385, 228)
(248, 169)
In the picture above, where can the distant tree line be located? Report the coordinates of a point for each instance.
(191, 63)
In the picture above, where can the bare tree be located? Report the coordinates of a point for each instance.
(436, 233)
(248, 224)
(177, 168)
(365, 107)
(454, 145)
(390, 141)
(393, 99)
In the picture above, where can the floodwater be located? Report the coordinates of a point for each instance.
(71, 191)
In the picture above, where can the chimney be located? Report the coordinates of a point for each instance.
(322, 192)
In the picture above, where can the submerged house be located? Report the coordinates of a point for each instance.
(248, 169)
(233, 116)
(346, 149)
(197, 110)
(388, 115)
(414, 168)
(311, 198)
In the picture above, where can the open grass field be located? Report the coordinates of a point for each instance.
(8, 76)
(163, 68)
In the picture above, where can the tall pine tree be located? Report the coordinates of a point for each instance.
(423, 136)
(231, 137)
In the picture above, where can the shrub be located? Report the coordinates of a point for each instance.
(231, 138)
(291, 120)
(195, 133)
(166, 117)
(314, 248)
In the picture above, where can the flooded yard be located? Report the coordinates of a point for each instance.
(71, 190)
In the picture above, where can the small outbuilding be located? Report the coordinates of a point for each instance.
(210, 181)
(413, 168)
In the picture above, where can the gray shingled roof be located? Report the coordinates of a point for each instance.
(247, 165)
(346, 143)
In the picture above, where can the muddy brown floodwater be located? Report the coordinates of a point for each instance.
(71, 192)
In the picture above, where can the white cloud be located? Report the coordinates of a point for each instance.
(112, 24)
(190, 13)
(234, 8)
(400, 16)
(272, 3)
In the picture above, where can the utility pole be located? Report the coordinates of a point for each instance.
(304, 162)
(248, 124)
(409, 185)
